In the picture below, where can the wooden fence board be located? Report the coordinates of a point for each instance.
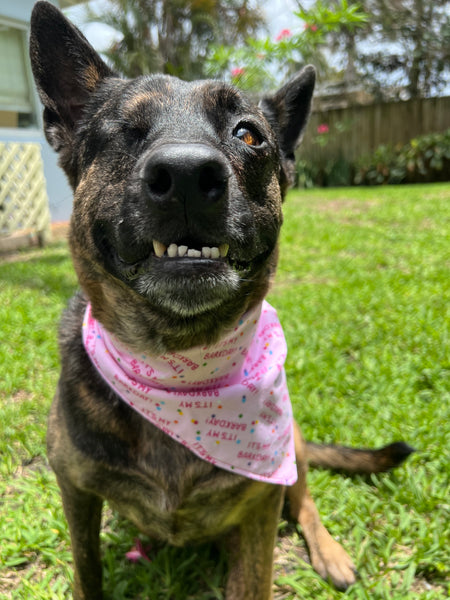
(358, 130)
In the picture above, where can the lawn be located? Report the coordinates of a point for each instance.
(363, 291)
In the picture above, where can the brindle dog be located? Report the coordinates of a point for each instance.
(197, 164)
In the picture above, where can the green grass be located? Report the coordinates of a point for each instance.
(363, 292)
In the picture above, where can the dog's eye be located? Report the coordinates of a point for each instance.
(248, 136)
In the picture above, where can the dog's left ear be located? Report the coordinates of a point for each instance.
(287, 112)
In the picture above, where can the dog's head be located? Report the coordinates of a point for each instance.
(177, 187)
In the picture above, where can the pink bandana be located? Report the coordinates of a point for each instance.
(227, 403)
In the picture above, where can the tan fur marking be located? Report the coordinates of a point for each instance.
(141, 101)
(91, 76)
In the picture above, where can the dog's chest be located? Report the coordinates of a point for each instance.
(171, 494)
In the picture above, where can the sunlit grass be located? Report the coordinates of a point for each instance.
(363, 292)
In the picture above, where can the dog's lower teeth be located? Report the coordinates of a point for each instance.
(174, 251)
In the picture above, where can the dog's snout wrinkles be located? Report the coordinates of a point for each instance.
(192, 174)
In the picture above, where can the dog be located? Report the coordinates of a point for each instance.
(172, 401)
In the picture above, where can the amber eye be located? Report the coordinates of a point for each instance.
(248, 137)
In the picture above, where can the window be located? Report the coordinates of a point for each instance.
(16, 92)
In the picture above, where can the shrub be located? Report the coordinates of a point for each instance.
(326, 169)
(329, 173)
(423, 160)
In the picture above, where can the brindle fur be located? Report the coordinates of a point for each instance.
(108, 131)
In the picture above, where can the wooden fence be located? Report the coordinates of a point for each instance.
(24, 211)
(358, 130)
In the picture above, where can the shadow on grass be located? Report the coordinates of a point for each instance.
(190, 573)
(49, 271)
(196, 572)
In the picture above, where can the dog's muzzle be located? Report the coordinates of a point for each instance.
(185, 246)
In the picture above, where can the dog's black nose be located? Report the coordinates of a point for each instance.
(192, 174)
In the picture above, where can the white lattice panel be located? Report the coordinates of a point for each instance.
(23, 195)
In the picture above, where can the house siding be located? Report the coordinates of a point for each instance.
(58, 191)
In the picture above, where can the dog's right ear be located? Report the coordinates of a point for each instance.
(66, 70)
(288, 111)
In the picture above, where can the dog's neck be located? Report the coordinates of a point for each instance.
(227, 402)
(197, 368)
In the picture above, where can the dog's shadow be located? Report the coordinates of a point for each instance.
(135, 567)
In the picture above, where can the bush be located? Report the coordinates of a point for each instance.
(424, 159)
(331, 173)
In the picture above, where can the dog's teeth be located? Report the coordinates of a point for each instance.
(223, 250)
(194, 253)
(159, 248)
(172, 250)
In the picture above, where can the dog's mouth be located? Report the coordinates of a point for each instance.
(180, 251)
(186, 276)
(187, 258)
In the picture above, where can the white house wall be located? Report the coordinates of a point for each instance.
(17, 13)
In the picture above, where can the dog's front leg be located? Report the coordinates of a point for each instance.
(251, 547)
(83, 513)
(328, 557)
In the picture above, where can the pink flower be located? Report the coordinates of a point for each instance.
(323, 128)
(137, 552)
(237, 72)
(310, 27)
(284, 34)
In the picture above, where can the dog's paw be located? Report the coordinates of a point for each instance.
(333, 563)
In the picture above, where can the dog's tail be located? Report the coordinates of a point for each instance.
(355, 460)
